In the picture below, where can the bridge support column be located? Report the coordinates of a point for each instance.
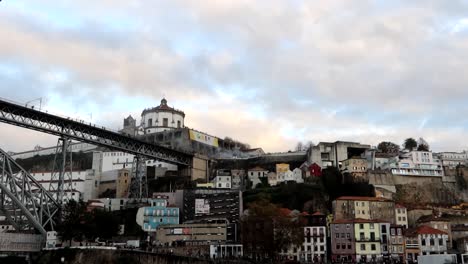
(62, 170)
(139, 182)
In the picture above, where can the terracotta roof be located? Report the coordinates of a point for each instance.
(318, 214)
(358, 220)
(399, 206)
(163, 107)
(363, 198)
(305, 214)
(257, 168)
(284, 211)
(424, 230)
(431, 218)
(343, 221)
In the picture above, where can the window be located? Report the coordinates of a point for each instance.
(348, 235)
(343, 246)
(384, 229)
(349, 246)
(337, 246)
(322, 248)
(178, 124)
(361, 226)
(371, 226)
(423, 242)
(373, 247)
(348, 226)
(441, 242)
(337, 235)
(342, 235)
(432, 242)
(392, 232)
(399, 231)
(165, 122)
(363, 247)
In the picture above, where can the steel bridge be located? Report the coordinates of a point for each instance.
(23, 200)
(25, 203)
(18, 115)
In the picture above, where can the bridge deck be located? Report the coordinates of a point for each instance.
(30, 118)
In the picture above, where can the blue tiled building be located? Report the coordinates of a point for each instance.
(151, 217)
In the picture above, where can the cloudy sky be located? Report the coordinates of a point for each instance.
(269, 73)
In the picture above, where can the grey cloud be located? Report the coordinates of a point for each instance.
(387, 64)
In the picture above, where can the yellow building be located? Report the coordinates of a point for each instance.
(368, 240)
(123, 183)
(282, 168)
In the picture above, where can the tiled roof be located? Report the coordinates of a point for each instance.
(431, 218)
(424, 230)
(399, 206)
(358, 220)
(318, 214)
(343, 221)
(257, 168)
(284, 211)
(363, 198)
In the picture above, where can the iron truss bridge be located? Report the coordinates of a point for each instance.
(18, 115)
(23, 200)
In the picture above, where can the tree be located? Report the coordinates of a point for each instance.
(388, 147)
(77, 223)
(73, 219)
(410, 144)
(423, 145)
(299, 146)
(267, 231)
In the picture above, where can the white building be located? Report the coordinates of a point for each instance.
(222, 182)
(401, 216)
(314, 247)
(416, 163)
(82, 183)
(161, 118)
(256, 174)
(295, 175)
(453, 159)
(39, 151)
(272, 179)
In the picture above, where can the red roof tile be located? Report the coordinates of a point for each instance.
(318, 214)
(284, 211)
(424, 230)
(363, 198)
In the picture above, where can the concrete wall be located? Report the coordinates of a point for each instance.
(420, 180)
(96, 256)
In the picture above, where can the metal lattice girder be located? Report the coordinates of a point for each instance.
(138, 184)
(32, 119)
(61, 180)
(23, 200)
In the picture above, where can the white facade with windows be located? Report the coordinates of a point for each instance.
(295, 175)
(401, 216)
(416, 163)
(453, 159)
(433, 243)
(223, 182)
(161, 118)
(80, 189)
(254, 175)
(314, 248)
